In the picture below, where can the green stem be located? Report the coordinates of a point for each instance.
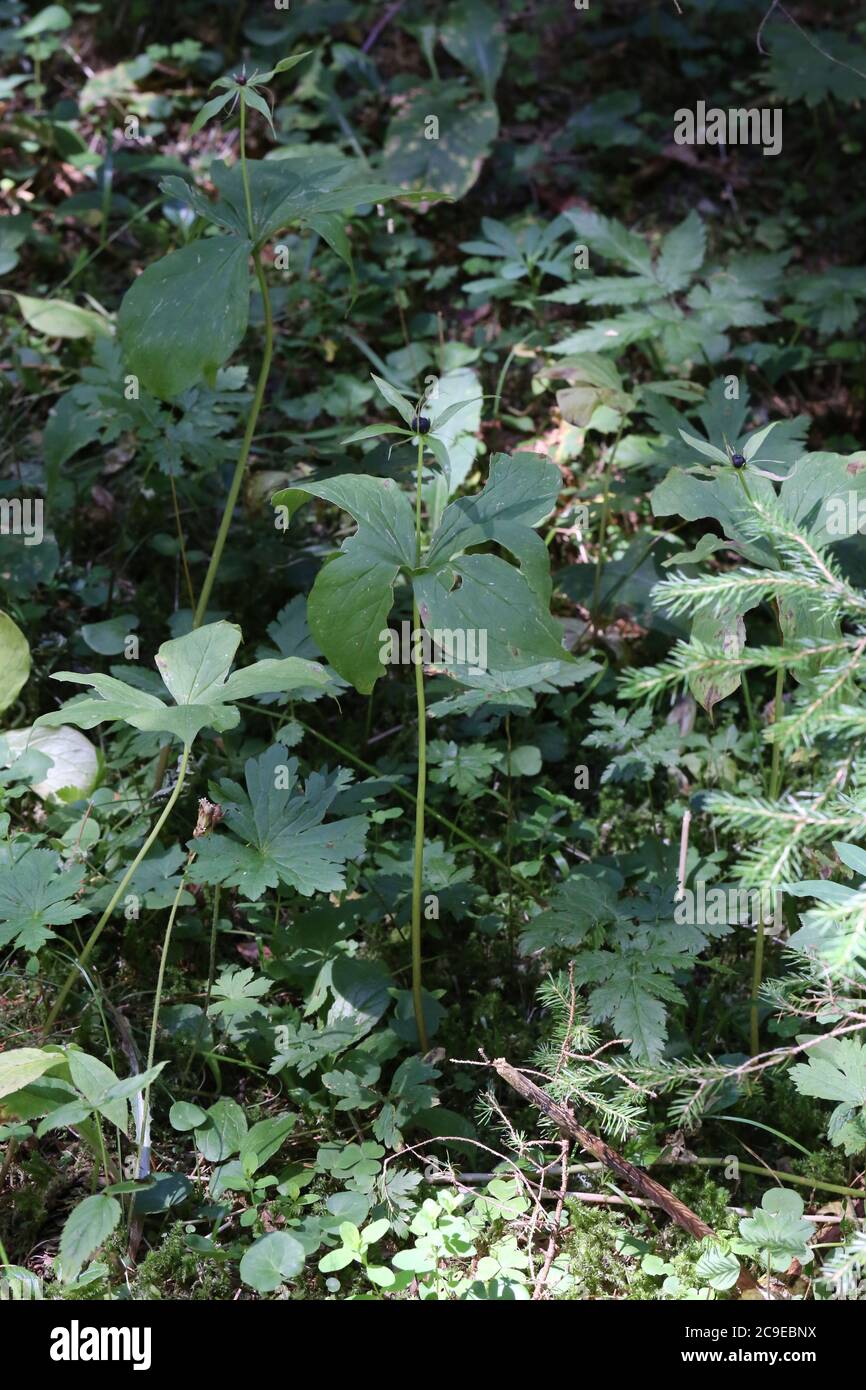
(211, 969)
(154, 1022)
(94, 936)
(602, 534)
(420, 791)
(775, 786)
(776, 768)
(771, 1173)
(252, 420)
(417, 875)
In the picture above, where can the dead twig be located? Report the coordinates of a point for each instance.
(565, 1121)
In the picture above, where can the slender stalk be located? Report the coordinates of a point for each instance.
(763, 1172)
(776, 768)
(775, 787)
(757, 972)
(252, 419)
(181, 542)
(154, 1022)
(94, 936)
(605, 511)
(420, 791)
(211, 971)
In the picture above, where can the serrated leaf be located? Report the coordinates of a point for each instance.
(87, 1227)
(277, 832)
(34, 897)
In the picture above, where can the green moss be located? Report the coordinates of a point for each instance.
(171, 1270)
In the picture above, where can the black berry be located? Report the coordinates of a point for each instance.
(420, 423)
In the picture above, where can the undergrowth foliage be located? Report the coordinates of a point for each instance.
(432, 653)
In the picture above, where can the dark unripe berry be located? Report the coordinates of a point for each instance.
(737, 460)
(420, 423)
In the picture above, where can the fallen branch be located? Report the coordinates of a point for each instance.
(565, 1121)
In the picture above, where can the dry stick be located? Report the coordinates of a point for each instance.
(684, 854)
(564, 1118)
(557, 1219)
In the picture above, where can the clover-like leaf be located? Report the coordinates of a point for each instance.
(194, 670)
(776, 1233)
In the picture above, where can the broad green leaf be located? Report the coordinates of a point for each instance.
(336, 1260)
(450, 163)
(51, 19)
(694, 497)
(223, 1132)
(282, 192)
(185, 315)
(836, 1070)
(724, 636)
(851, 855)
(264, 1140)
(271, 1260)
(88, 1226)
(95, 1080)
(56, 318)
(776, 1232)
(14, 661)
(185, 1116)
(194, 669)
(492, 597)
(474, 34)
(350, 601)
(21, 1065)
(520, 491)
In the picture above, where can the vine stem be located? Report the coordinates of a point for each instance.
(252, 419)
(421, 787)
(87, 949)
(154, 1022)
